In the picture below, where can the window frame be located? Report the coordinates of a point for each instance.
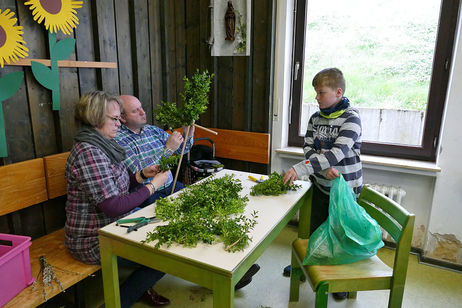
(442, 62)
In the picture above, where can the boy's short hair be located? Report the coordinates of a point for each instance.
(329, 77)
(92, 106)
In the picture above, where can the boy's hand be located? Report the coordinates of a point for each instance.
(332, 174)
(290, 176)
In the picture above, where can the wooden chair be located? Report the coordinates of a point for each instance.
(369, 274)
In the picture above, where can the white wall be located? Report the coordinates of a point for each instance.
(436, 201)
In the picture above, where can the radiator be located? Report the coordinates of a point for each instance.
(395, 193)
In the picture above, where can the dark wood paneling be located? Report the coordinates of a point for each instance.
(224, 75)
(69, 87)
(107, 45)
(85, 48)
(155, 37)
(205, 60)
(180, 46)
(124, 47)
(260, 45)
(238, 94)
(169, 51)
(38, 98)
(192, 39)
(140, 54)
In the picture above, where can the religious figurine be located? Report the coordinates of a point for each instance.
(230, 22)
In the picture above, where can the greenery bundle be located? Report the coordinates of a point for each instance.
(273, 186)
(209, 211)
(168, 162)
(195, 101)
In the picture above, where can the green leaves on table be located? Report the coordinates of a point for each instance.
(195, 101)
(209, 211)
(273, 186)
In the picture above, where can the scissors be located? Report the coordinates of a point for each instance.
(139, 222)
(255, 180)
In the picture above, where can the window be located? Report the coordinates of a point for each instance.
(396, 67)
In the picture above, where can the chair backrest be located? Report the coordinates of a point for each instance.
(238, 145)
(22, 185)
(54, 172)
(394, 219)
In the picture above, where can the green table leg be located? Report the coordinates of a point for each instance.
(223, 292)
(110, 274)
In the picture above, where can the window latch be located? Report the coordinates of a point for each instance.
(297, 67)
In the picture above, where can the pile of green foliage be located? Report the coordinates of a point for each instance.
(273, 186)
(195, 101)
(168, 162)
(209, 211)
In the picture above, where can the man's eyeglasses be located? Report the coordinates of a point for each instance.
(114, 119)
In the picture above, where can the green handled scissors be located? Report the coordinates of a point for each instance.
(139, 222)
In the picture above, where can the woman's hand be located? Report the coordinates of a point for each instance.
(151, 171)
(332, 174)
(160, 179)
(290, 176)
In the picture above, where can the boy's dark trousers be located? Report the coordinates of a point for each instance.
(319, 208)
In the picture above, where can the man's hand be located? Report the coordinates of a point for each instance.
(174, 141)
(290, 176)
(332, 174)
(151, 171)
(191, 129)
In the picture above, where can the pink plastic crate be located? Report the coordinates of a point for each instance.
(15, 272)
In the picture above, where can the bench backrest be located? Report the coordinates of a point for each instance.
(21, 185)
(238, 145)
(54, 172)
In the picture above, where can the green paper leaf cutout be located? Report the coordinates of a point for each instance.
(63, 49)
(45, 76)
(9, 85)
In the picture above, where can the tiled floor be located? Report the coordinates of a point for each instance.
(426, 286)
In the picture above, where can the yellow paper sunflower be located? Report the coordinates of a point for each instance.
(11, 42)
(58, 14)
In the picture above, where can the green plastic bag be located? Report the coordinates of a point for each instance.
(348, 235)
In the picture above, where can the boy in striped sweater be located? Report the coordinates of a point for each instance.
(332, 146)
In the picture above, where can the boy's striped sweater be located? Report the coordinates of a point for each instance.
(333, 143)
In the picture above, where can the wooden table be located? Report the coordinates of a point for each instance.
(207, 265)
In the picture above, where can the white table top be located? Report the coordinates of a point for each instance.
(271, 209)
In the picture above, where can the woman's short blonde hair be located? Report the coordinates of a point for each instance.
(92, 107)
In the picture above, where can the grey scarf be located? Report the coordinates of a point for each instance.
(111, 148)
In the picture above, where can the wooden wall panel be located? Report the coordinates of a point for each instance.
(85, 48)
(69, 86)
(205, 60)
(107, 44)
(155, 40)
(169, 53)
(260, 65)
(124, 39)
(38, 98)
(180, 46)
(140, 55)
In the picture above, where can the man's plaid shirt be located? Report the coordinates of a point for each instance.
(146, 148)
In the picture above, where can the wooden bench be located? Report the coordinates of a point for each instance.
(238, 145)
(28, 183)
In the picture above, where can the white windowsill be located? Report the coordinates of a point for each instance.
(378, 162)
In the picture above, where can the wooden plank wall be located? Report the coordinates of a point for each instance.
(155, 43)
